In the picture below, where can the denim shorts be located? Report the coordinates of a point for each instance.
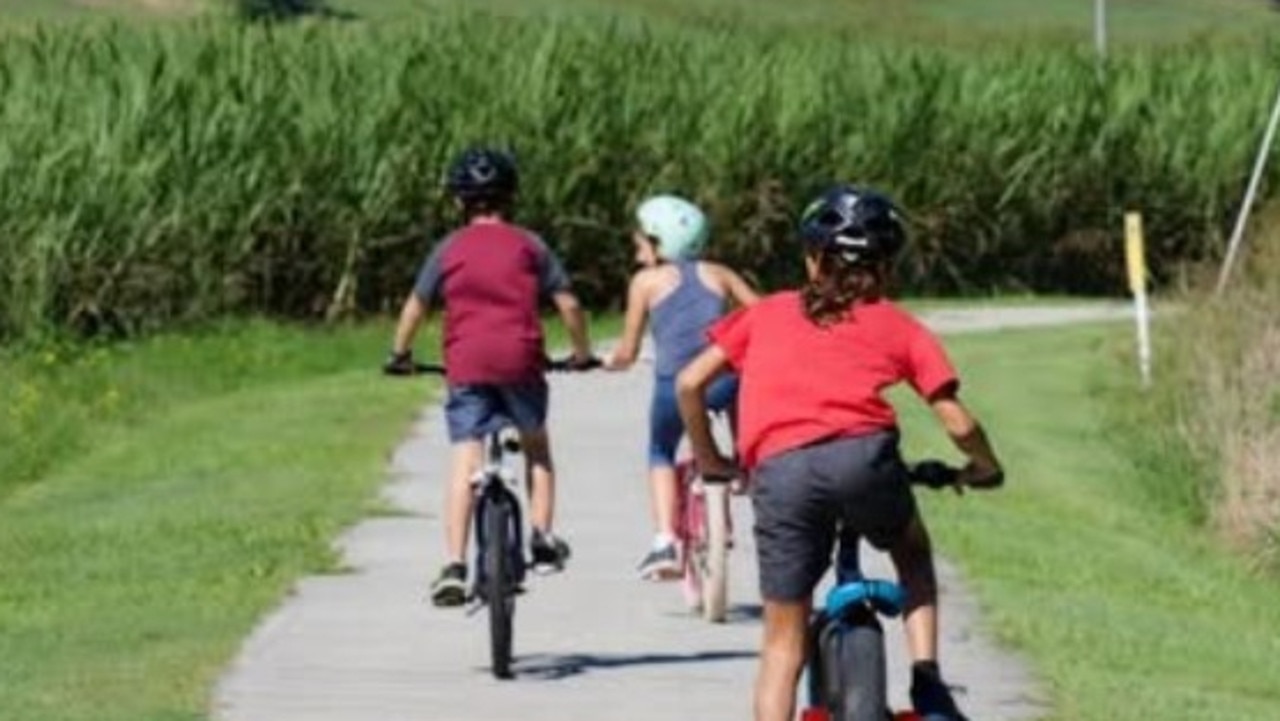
(474, 411)
(805, 498)
(666, 427)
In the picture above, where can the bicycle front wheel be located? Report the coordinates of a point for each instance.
(499, 522)
(854, 673)
(715, 578)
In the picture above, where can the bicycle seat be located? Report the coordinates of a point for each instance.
(886, 597)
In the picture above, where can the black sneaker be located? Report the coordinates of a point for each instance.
(549, 552)
(450, 587)
(930, 696)
(660, 563)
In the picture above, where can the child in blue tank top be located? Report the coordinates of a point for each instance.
(680, 297)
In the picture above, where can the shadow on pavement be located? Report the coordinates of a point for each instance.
(554, 668)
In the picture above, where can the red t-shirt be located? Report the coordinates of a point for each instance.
(491, 277)
(801, 383)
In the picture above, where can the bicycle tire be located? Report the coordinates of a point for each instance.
(689, 532)
(715, 568)
(855, 677)
(499, 595)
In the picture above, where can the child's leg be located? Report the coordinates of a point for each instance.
(912, 556)
(794, 533)
(781, 659)
(526, 407)
(469, 412)
(467, 459)
(663, 500)
(540, 477)
(665, 430)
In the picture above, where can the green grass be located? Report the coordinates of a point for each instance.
(1121, 601)
(138, 555)
(153, 530)
(146, 548)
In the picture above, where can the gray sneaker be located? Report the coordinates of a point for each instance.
(450, 587)
(661, 563)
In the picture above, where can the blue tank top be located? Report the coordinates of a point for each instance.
(680, 321)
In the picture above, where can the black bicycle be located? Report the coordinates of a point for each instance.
(846, 668)
(500, 563)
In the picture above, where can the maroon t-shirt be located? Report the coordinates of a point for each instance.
(491, 278)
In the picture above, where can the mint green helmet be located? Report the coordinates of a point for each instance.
(680, 227)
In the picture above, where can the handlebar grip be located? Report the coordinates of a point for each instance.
(994, 480)
(934, 474)
(406, 366)
(570, 365)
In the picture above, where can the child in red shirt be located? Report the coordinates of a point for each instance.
(491, 277)
(821, 441)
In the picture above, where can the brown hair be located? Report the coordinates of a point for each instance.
(829, 297)
(487, 206)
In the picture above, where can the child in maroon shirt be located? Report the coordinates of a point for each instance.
(821, 441)
(491, 277)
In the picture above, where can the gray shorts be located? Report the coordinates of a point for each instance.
(806, 497)
(474, 411)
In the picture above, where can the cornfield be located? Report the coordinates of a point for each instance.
(172, 174)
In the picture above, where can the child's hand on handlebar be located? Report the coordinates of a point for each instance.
(575, 362)
(981, 477)
(399, 364)
(580, 362)
(718, 468)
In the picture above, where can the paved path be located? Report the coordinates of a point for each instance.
(593, 643)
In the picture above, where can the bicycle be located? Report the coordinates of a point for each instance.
(846, 668)
(704, 529)
(500, 564)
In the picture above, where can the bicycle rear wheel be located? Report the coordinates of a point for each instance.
(854, 677)
(715, 566)
(689, 532)
(499, 521)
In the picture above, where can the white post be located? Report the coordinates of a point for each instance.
(1251, 194)
(1143, 317)
(1136, 260)
(1100, 27)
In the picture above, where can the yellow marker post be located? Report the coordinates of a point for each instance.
(1136, 260)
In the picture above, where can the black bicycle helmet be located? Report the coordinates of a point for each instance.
(860, 225)
(483, 174)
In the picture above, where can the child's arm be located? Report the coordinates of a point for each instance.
(637, 317)
(417, 307)
(691, 387)
(412, 315)
(574, 322)
(966, 433)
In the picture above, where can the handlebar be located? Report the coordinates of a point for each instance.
(931, 473)
(937, 475)
(406, 366)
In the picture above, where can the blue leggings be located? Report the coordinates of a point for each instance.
(666, 428)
